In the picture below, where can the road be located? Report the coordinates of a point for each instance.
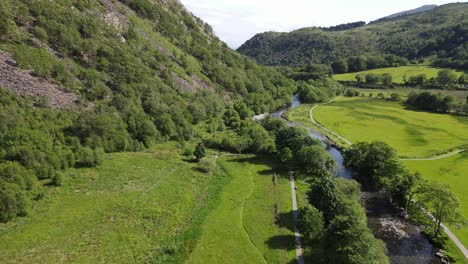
(297, 235)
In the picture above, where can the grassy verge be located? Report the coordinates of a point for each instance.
(451, 171)
(243, 227)
(136, 207)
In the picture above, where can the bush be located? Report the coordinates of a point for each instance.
(395, 97)
(207, 165)
(57, 180)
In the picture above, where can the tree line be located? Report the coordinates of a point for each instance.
(378, 167)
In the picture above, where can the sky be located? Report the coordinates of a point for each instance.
(236, 21)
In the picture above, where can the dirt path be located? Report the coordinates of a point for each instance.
(297, 235)
(456, 241)
(439, 157)
(324, 128)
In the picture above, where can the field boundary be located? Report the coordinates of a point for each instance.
(311, 116)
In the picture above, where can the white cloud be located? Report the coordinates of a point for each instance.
(235, 21)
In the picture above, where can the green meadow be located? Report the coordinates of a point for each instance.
(155, 207)
(136, 207)
(398, 73)
(452, 171)
(411, 133)
(243, 227)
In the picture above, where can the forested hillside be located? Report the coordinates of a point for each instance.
(440, 35)
(109, 76)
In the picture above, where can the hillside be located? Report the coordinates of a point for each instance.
(80, 78)
(423, 8)
(440, 33)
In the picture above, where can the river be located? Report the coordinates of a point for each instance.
(404, 241)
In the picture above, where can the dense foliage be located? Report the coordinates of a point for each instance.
(435, 102)
(441, 33)
(380, 168)
(145, 72)
(36, 144)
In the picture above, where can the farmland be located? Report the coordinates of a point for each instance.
(398, 73)
(451, 171)
(411, 133)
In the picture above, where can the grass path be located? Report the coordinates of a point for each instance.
(242, 228)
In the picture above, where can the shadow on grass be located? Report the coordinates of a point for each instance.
(285, 242)
(285, 220)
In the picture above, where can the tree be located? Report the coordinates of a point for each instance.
(311, 224)
(340, 66)
(315, 161)
(446, 77)
(200, 151)
(463, 79)
(323, 195)
(395, 97)
(376, 162)
(442, 203)
(387, 79)
(372, 78)
(349, 241)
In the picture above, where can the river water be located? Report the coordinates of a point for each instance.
(404, 241)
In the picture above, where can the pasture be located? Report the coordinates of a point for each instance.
(398, 73)
(136, 207)
(451, 171)
(243, 227)
(411, 133)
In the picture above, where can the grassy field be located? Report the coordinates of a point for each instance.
(243, 228)
(136, 207)
(411, 133)
(452, 171)
(397, 72)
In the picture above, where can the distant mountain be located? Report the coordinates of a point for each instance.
(440, 33)
(421, 9)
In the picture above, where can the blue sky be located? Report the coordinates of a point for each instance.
(236, 21)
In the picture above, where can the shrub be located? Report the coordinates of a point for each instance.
(207, 165)
(57, 180)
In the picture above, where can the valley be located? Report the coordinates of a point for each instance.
(131, 132)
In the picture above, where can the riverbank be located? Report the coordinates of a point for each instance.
(402, 249)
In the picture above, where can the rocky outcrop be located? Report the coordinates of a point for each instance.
(23, 83)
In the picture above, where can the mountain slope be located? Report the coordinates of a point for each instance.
(440, 32)
(423, 8)
(124, 76)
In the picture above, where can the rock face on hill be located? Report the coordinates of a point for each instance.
(151, 49)
(24, 83)
(441, 32)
